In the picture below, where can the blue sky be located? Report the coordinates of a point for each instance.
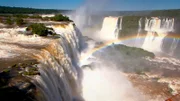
(107, 4)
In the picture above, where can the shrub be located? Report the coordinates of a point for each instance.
(9, 21)
(131, 25)
(20, 16)
(35, 17)
(19, 21)
(60, 17)
(46, 18)
(1, 20)
(40, 29)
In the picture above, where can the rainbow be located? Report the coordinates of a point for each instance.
(120, 40)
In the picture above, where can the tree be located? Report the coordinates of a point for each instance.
(60, 17)
(40, 29)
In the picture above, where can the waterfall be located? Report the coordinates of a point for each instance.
(111, 28)
(60, 78)
(167, 25)
(173, 46)
(118, 28)
(153, 42)
(137, 43)
(153, 24)
(157, 29)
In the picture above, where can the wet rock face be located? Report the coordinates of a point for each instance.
(15, 82)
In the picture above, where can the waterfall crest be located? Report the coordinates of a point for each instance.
(159, 25)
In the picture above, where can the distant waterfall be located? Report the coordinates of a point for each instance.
(137, 43)
(167, 25)
(153, 24)
(118, 28)
(111, 28)
(156, 24)
(60, 78)
(174, 46)
(157, 30)
(153, 42)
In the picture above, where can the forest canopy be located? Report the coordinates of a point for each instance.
(21, 10)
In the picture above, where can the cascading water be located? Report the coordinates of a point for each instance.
(174, 46)
(157, 29)
(111, 28)
(60, 74)
(167, 24)
(137, 43)
(118, 28)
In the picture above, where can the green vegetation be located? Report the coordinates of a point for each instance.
(171, 90)
(19, 21)
(130, 25)
(34, 16)
(32, 71)
(13, 21)
(60, 17)
(20, 15)
(16, 85)
(6, 70)
(162, 13)
(139, 71)
(9, 21)
(40, 29)
(57, 17)
(133, 52)
(1, 20)
(166, 13)
(21, 10)
(129, 59)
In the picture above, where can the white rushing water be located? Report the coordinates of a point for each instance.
(60, 74)
(99, 84)
(174, 46)
(157, 30)
(60, 78)
(111, 28)
(138, 42)
(153, 42)
(14, 44)
(156, 24)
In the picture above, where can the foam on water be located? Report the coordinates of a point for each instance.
(14, 44)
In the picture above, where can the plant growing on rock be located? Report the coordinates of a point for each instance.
(9, 21)
(60, 17)
(19, 21)
(40, 29)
